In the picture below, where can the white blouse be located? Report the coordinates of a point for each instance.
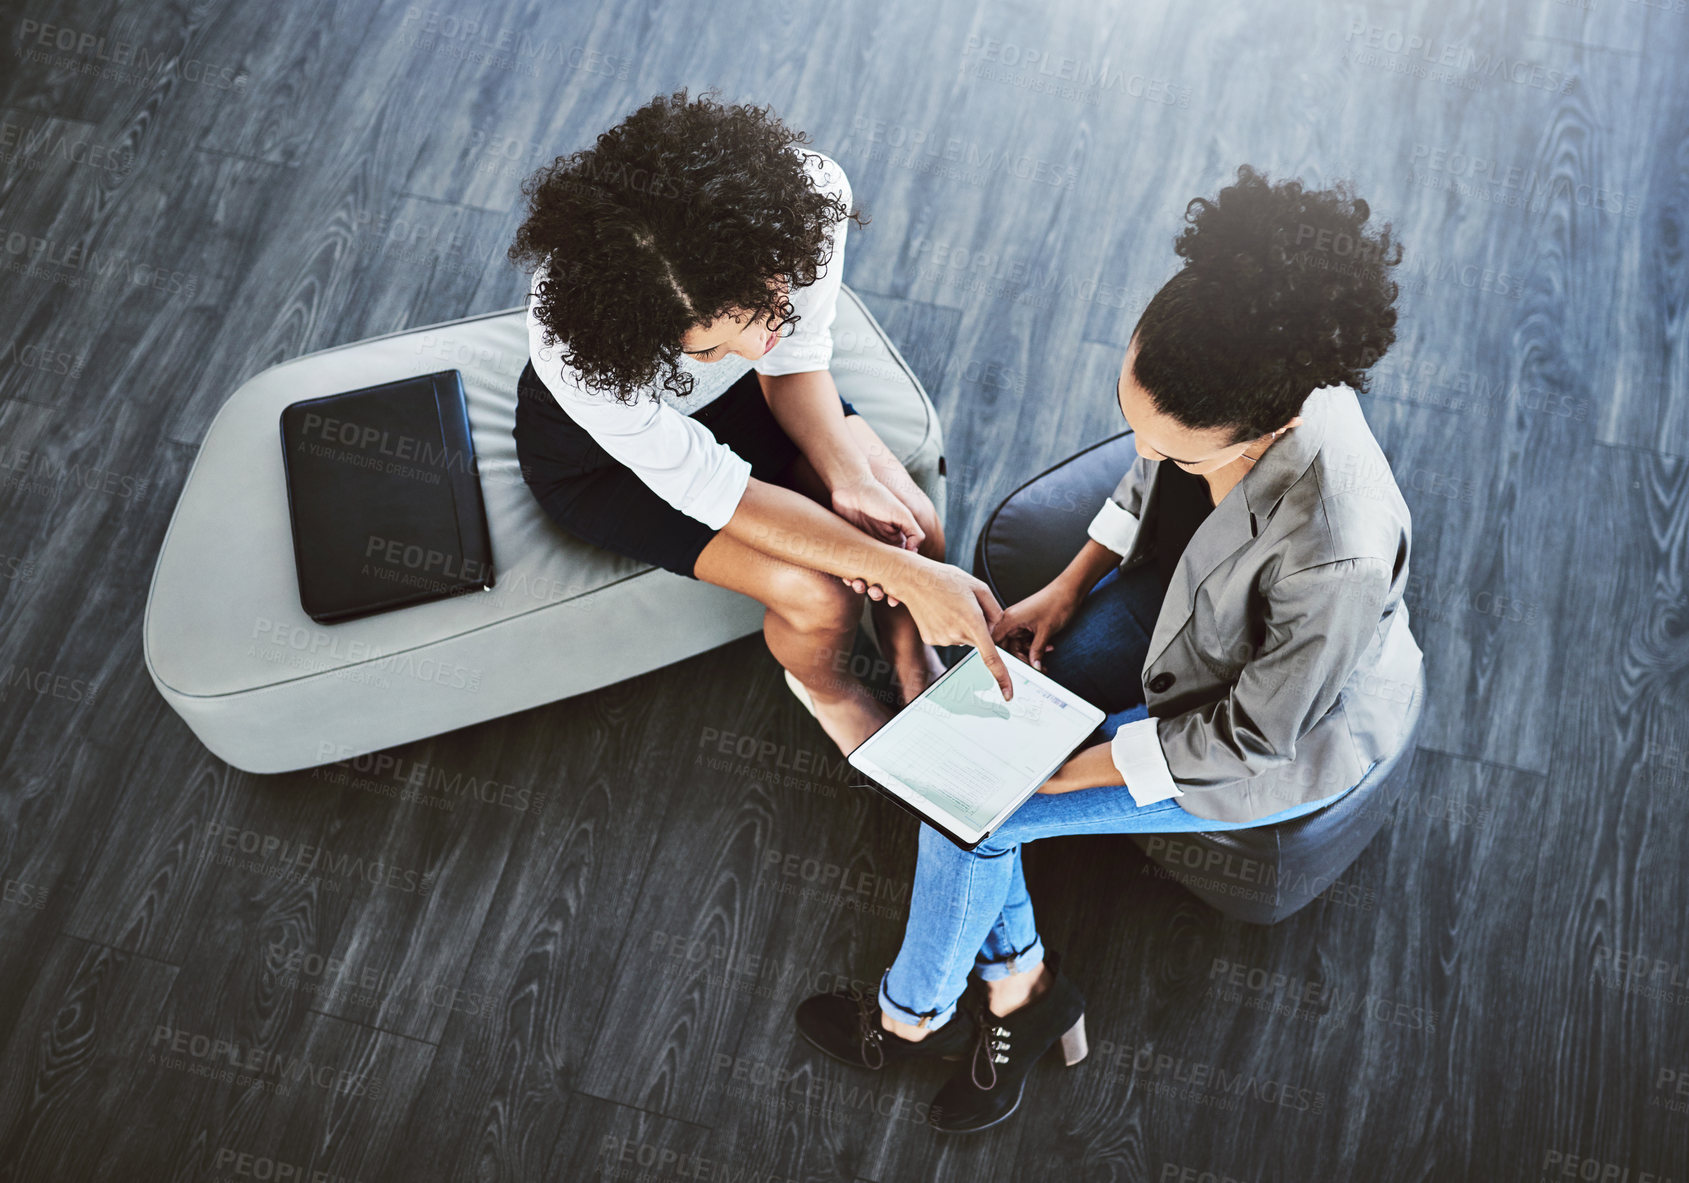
(678, 457)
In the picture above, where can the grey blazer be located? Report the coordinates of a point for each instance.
(1281, 665)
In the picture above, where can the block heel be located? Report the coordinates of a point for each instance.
(1073, 1046)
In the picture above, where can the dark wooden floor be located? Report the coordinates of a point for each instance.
(600, 982)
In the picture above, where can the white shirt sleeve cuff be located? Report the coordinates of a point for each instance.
(721, 501)
(1114, 527)
(1136, 751)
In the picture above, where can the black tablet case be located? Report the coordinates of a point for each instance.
(384, 498)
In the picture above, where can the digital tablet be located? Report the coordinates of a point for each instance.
(962, 759)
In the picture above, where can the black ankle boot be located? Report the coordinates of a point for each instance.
(846, 1025)
(1005, 1048)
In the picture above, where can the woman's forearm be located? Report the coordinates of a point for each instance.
(784, 523)
(1093, 561)
(1089, 768)
(807, 408)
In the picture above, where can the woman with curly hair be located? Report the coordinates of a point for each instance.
(677, 407)
(1237, 611)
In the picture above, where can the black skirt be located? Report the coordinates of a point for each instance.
(600, 500)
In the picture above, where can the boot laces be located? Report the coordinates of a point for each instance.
(993, 1042)
(869, 1033)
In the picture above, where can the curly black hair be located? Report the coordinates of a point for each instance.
(1282, 291)
(683, 212)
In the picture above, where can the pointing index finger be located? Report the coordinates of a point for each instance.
(994, 662)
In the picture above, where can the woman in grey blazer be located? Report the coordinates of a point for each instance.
(1237, 610)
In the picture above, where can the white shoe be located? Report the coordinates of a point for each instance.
(799, 692)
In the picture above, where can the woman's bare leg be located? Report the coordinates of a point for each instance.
(811, 619)
(913, 661)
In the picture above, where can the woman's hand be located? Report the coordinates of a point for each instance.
(1025, 628)
(878, 512)
(951, 607)
(874, 509)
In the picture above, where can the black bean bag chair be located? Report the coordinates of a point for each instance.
(1259, 875)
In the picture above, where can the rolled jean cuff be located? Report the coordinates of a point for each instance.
(992, 971)
(904, 1015)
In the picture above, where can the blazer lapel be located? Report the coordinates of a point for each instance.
(1237, 519)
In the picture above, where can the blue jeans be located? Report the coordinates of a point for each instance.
(968, 910)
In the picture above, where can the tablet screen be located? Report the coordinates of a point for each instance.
(961, 753)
